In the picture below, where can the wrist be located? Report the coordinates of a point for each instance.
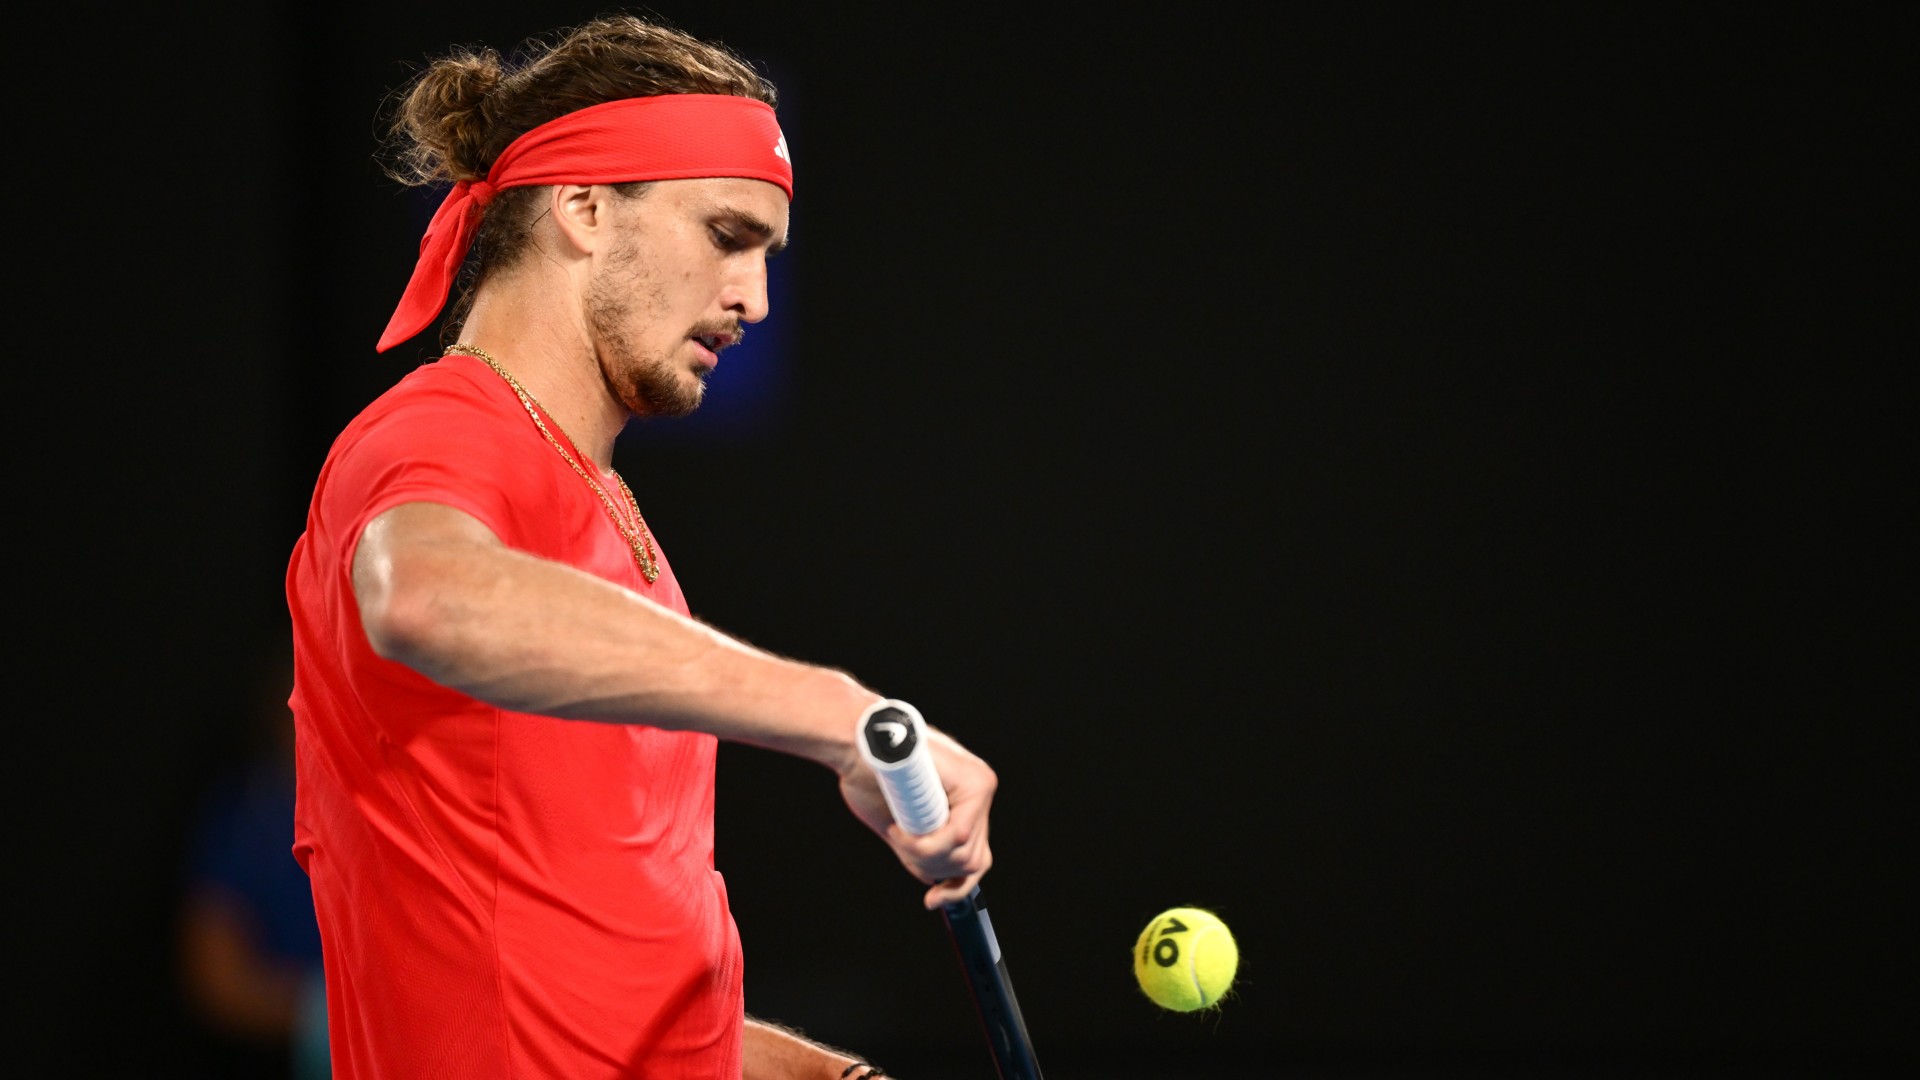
(846, 704)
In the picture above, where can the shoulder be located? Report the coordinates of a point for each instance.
(444, 403)
(450, 383)
(451, 431)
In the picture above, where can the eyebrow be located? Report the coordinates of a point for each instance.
(740, 219)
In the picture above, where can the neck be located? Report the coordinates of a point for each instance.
(554, 359)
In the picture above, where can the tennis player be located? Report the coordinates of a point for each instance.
(506, 718)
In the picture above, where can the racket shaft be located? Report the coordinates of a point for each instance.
(986, 972)
(893, 740)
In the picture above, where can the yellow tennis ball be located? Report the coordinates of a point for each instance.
(1185, 959)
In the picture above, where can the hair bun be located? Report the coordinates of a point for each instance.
(444, 115)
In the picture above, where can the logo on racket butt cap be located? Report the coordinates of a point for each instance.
(890, 734)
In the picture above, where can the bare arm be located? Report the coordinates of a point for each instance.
(440, 593)
(773, 1052)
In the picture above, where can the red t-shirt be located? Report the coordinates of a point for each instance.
(499, 894)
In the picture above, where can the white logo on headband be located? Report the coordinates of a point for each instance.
(780, 150)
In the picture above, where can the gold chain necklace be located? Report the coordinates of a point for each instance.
(636, 535)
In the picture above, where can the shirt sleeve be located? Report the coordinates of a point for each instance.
(445, 442)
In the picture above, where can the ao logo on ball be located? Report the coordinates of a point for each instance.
(1185, 959)
(1166, 951)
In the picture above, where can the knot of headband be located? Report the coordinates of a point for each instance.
(669, 137)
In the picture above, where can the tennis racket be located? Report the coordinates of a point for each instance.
(893, 740)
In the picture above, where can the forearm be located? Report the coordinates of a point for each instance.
(440, 593)
(772, 1052)
(536, 636)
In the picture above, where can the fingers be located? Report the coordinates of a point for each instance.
(978, 860)
(946, 892)
(953, 858)
(954, 850)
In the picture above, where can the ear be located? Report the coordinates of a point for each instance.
(580, 213)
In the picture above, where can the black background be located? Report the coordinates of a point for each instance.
(1421, 482)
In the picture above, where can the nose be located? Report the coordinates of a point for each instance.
(745, 293)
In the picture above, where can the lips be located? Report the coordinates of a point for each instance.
(711, 342)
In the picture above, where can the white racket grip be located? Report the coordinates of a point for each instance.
(893, 740)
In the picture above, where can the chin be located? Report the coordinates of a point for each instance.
(661, 392)
(670, 406)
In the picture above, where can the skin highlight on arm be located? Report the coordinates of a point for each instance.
(440, 593)
(775, 1052)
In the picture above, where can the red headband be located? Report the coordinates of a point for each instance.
(669, 137)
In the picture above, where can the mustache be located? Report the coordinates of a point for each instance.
(729, 330)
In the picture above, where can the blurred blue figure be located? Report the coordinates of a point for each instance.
(249, 944)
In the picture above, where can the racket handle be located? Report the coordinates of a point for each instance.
(893, 741)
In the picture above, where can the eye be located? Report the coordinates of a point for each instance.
(726, 241)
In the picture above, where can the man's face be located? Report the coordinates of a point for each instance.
(687, 268)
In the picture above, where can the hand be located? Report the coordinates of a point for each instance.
(953, 857)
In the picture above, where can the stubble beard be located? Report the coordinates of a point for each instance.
(649, 386)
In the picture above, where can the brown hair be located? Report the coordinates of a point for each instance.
(450, 121)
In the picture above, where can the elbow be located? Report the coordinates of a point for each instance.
(391, 635)
(415, 574)
(396, 615)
